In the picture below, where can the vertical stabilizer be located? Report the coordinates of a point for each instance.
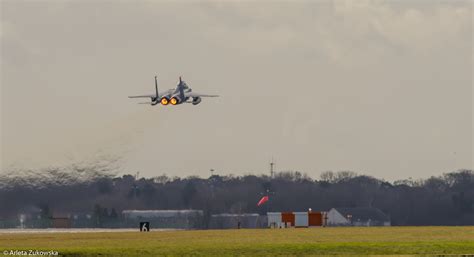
(181, 88)
(156, 88)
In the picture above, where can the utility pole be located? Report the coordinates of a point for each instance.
(135, 187)
(271, 168)
(267, 193)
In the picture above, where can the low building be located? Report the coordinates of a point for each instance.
(296, 219)
(316, 219)
(274, 219)
(358, 216)
(61, 222)
(288, 219)
(228, 220)
(301, 219)
(184, 219)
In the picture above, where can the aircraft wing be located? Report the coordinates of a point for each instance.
(194, 94)
(142, 96)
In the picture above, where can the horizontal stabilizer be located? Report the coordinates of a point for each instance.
(194, 94)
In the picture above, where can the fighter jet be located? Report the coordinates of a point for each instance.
(179, 95)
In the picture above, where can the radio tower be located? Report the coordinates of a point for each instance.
(271, 168)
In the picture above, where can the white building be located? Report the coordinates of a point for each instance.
(358, 216)
(335, 218)
(274, 220)
(301, 219)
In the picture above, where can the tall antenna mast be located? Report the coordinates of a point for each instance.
(271, 168)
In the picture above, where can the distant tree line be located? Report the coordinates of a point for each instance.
(441, 200)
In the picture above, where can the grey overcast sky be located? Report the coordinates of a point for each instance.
(379, 88)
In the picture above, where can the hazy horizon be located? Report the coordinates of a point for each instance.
(379, 88)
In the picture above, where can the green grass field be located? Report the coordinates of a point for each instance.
(254, 242)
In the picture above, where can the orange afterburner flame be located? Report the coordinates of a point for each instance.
(174, 101)
(164, 101)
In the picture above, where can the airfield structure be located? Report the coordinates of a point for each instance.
(296, 219)
(183, 219)
(229, 220)
(358, 216)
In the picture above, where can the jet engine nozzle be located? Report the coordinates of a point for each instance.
(165, 101)
(175, 100)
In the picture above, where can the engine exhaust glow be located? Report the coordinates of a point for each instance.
(174, 101)
(164, 101)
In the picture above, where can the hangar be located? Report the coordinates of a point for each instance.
(296, 219)
(358, 216)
